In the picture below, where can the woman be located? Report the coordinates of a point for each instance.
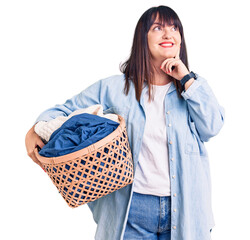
(170, 197)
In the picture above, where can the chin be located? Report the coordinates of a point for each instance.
(169, 55)
(165, 56)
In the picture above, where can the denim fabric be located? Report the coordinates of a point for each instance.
(149, 218)
(195, 119)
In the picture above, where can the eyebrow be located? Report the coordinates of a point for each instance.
(157, 23)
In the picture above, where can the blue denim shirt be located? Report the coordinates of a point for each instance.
(194, 119)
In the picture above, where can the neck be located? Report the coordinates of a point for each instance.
(160, 77)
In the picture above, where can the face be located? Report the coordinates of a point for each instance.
(163, 42)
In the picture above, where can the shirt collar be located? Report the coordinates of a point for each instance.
(171, 88)
(145, 87)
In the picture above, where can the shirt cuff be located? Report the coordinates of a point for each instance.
(192, 88)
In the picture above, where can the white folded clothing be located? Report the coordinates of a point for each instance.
(45, 129)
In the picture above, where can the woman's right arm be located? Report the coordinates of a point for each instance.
(90, 96)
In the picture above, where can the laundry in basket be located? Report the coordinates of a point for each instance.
(87, 158)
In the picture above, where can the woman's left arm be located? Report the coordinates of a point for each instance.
(206, 113)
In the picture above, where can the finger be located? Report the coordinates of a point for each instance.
(177, 56)
(175, 64)
(165, 62)
(40, 143)
(169, 65)
(164, 66)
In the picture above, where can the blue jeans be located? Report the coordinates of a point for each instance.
(149, 218)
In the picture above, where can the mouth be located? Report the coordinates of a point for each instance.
(166, 44)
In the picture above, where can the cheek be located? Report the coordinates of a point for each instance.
(178, 39)
(150, 43)
(149, 39)
(153, 39)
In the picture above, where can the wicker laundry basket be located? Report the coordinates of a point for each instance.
(93, 172)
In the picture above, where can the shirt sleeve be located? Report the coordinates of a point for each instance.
(89, 96)
(204, 109)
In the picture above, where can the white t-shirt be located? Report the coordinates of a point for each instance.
(152, 170)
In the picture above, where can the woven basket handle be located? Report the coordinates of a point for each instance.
(36, 158)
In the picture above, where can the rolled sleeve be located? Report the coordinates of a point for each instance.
(192, 88)
(206, 113)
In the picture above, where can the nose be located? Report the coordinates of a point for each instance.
(166, 34)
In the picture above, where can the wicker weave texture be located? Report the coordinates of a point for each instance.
(89, 176)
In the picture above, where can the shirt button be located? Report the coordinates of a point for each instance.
(174, 227)
(175, 195)
(175, 210)
(172, 159)
(173, 176)
(168, 112)
(170, 142)
(169, 125)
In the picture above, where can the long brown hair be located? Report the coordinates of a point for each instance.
(138, 67)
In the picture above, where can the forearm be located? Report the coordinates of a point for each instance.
(188, 83)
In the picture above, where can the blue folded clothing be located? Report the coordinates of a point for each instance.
(77, 133)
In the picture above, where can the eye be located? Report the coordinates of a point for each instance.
(156, 27)
(174, 28)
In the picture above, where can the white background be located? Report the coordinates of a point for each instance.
(52, 50)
